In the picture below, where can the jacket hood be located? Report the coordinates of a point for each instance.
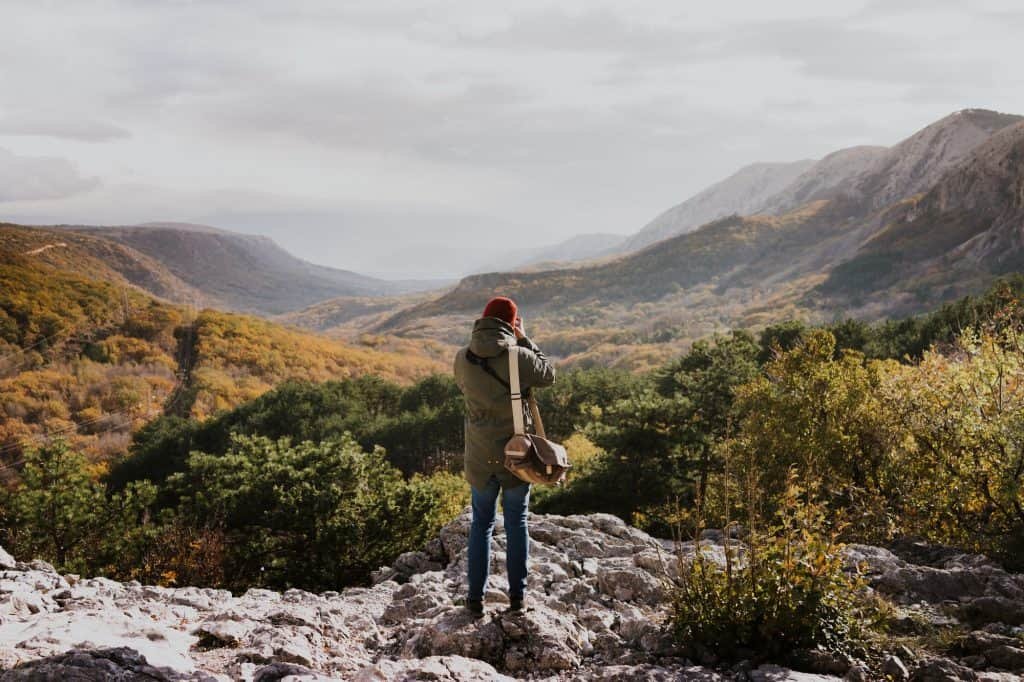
(491, 336)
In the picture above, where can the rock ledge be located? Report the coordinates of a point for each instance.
(596, 612)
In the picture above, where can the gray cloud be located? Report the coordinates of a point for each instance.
(24, 178)
(594, 30)
(547, 118)
(67, 127)
(841, 52)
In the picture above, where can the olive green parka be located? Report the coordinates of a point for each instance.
(488, 402)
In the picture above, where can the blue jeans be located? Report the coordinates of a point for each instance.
(514, 502)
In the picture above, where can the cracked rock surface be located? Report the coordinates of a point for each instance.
(596, 611)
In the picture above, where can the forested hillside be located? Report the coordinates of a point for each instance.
(241, 272)
(91, 360)
(94, 258)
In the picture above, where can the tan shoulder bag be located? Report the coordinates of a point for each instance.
(531, 457)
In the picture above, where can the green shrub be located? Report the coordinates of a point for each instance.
(312, 515)
(58, 512)
(661, 437)
(783, 592)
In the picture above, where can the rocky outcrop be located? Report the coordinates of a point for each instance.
(6, 560)
(917, 163)
(597, 611)
(968, 587)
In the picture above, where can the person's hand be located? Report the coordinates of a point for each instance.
(518, 328)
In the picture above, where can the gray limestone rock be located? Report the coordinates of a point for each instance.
(598, 609)
(942, 670)
(100, 665)
(895, 669)
(7, 562)
(434, 668)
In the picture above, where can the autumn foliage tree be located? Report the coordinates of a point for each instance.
(824, 417)
(961, 465)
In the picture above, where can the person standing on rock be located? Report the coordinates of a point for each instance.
(481, 372)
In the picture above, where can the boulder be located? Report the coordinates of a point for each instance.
(774, 673)
(537, 639)
(979, 641)
(7, 562)
(1006, 657)
(287, 672)
(993, 609)
(98, 665)
(433, 668)
(629, 583)
(894, 668)
(942, 670)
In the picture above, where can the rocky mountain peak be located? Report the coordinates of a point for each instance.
(984, 198)
(914, 165)
(597, 611)
(993, 171)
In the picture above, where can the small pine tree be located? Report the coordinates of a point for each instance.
(57, 508)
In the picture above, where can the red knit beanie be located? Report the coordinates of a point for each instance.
(502, 308)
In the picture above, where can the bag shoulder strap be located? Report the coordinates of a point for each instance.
(538, 423)
(475, 359)
(517, 396)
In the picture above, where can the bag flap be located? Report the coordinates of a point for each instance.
(550, 452)
(518, 446)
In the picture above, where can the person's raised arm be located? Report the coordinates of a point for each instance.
(534, 367)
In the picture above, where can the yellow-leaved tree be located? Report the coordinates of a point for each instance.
(961, 462)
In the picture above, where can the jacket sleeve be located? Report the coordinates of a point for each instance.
(456, 370)
(534, 367)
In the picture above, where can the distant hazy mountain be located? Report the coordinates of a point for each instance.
(823, 179)
(580, 247)
(187, 227)
(244, 272)
(742, 193)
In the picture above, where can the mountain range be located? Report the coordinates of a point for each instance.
(205, 265)
(774, 188)
(866, 231)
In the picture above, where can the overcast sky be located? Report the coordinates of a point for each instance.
(414, 138)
